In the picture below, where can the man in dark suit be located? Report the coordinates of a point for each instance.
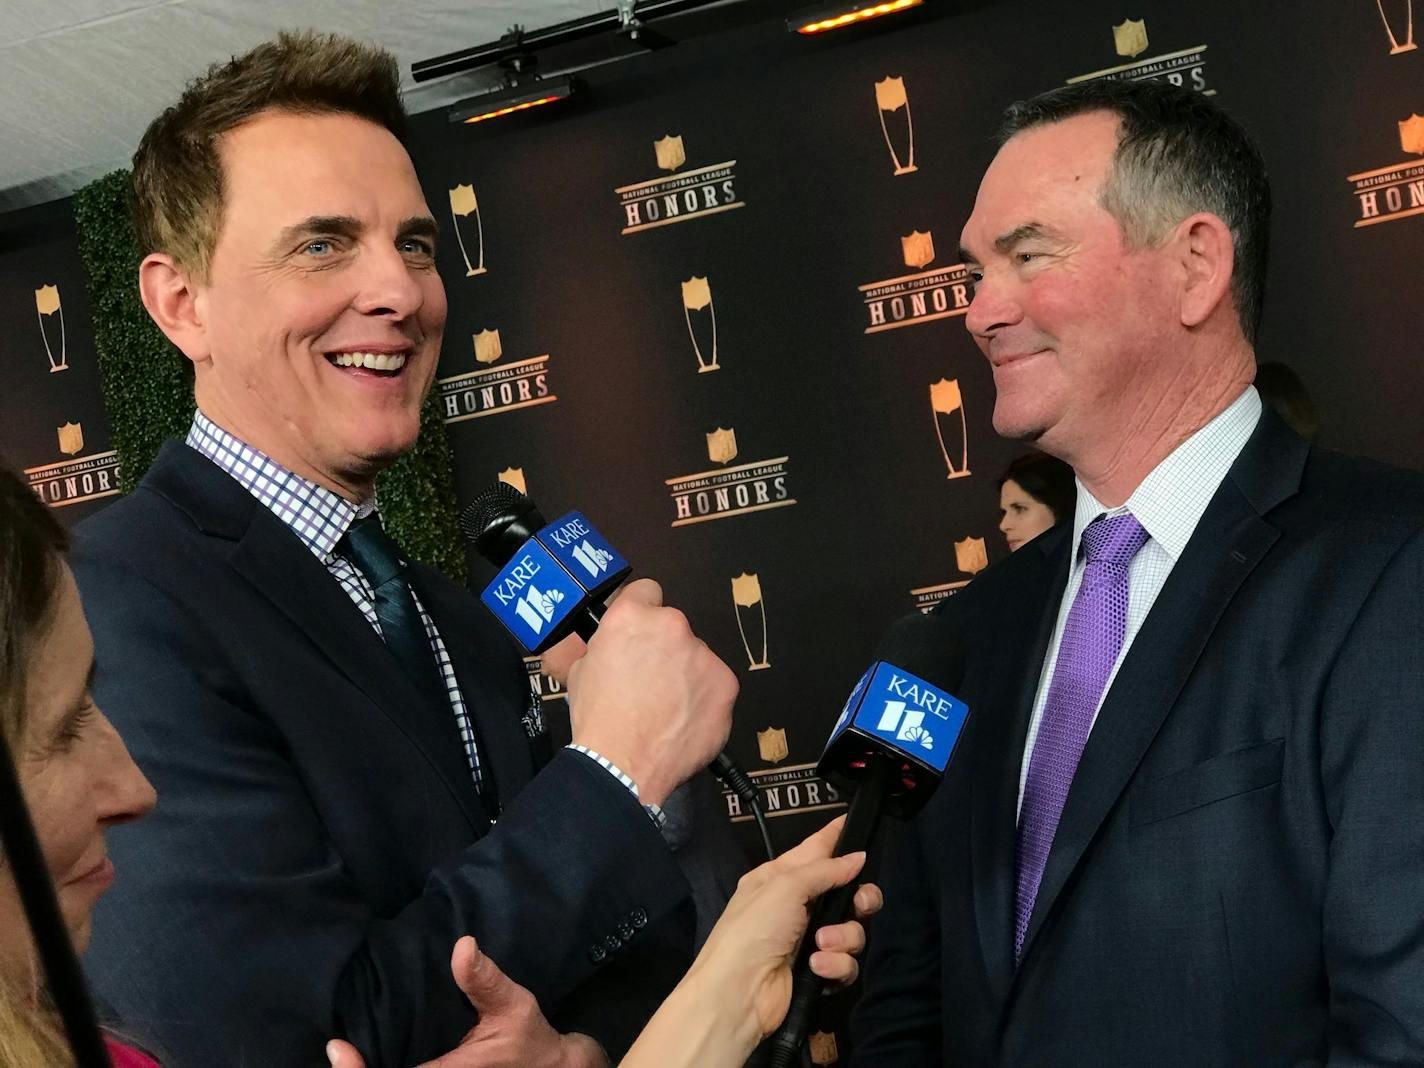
(344, 742)
(1185, 825)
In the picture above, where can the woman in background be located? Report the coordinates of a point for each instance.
(76, 775)
(1036, 492)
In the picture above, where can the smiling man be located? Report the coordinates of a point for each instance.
(1185, 825)
(334, 731)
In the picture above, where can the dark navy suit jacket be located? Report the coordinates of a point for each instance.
(1238, 874)
(318, 844)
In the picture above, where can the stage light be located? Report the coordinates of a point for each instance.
(820, 19)
(515, 98)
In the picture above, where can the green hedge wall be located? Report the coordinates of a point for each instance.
(148, 394)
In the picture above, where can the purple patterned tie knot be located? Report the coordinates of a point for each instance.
(1113, 542)
(1092, 639)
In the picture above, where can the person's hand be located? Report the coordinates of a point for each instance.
(511, 1033)
(749, 954)
(649, 695)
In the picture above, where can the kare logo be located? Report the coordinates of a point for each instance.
(494, 388)
(1185, 67)
(679, 196)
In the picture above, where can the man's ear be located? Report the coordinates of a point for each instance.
(1207, 258)
(174, 302)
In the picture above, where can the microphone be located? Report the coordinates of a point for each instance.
(551, 582)
(890, 746)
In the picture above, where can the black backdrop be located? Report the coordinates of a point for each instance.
(593, 391)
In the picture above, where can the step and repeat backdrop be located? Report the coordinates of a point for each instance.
(716, 306)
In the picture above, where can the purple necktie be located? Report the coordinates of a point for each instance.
(1092, 638)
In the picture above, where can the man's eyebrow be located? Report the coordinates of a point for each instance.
(1027, 232)
(418, 226)
(312, 225)
(965, 256)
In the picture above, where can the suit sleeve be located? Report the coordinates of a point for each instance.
(898, 1019)
(238, 926)
(1372, 759)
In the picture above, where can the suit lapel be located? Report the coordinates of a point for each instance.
(1226, 546)
(505, 755)
(1019, 644)
(277, 565)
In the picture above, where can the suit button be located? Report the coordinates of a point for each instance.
(613, 943)
(639, 917)
(625, 931)
(597, 953)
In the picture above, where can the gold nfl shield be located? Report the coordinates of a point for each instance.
(722, 446)
(918, 248)
(746, 593)
(771, 745)
(1130, 38)
(514, 477)
(47, 300)
(670, 152)
(1411, 134)
(696, 294)
(487, 346)
(823, 1048)
(970, 556)
(71, 439)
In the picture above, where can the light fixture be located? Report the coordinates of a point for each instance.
(514, 98)
(820, 19)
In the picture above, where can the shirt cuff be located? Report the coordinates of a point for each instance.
(655, 813)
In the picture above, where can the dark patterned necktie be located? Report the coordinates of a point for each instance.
(1092, 639)
(378, 558)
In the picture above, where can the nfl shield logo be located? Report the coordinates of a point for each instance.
(1411, 134)
(970, 555)
(670, 152)
(918, 249)
(771, 744)
(71, 439)
(487, 347)
(1130, 39)
(722, 446)
(823, 1048)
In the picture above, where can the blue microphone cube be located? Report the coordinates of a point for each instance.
(584, 553)
(533, 596)
(895, 714)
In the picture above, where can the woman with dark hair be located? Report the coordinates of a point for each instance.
(76, 776)
(1036, 492)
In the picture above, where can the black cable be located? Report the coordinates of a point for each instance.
(765, 833)
(56, 953)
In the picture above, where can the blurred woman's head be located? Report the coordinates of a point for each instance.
(1035, 492)
(77, 777)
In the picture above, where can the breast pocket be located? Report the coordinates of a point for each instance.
(1216, 779)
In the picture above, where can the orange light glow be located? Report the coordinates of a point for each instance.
(517, 107)
(858, 15)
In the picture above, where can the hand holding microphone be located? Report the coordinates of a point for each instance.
(648, 694)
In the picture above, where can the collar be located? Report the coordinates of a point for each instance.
(1170, 501)
(316, 515)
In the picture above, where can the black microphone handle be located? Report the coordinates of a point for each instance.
(834, 906)
(586, 621)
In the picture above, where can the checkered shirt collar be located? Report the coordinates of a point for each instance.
(313, 513)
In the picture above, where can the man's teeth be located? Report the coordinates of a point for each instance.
(373, 361)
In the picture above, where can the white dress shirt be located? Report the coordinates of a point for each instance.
(1168, 503)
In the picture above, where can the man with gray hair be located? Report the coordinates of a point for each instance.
(1186, 821)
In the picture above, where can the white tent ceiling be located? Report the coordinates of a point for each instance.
(80, 79)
